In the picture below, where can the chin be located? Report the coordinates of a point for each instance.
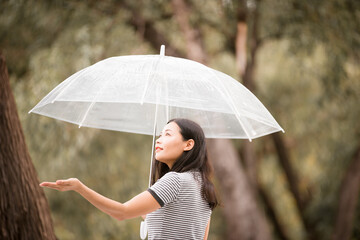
(161, 160)
(158, 159)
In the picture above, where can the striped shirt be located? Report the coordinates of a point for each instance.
(184, 214)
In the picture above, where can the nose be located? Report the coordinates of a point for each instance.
(158, 139)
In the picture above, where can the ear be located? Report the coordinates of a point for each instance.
(189, 145)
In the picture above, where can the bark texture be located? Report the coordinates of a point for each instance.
(301, 200)
(291, 176)
(279, 229)
(349, 197)
(193, 39)
(244, 217)
(243, 65)
(24, 211)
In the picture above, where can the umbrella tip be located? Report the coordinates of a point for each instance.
(162, 50)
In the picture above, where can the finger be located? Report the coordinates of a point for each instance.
(54, 187)
(45, 184)
(50, 186)
(63, 182)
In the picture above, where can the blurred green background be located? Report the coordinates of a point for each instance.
(307, 75)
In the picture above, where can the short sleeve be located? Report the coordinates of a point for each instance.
(166, 189)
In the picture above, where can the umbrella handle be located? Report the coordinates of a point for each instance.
(143, 225)
(143, 230)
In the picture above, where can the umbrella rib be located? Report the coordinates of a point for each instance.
(231, 103)
(60, 93)
(96, 96)
(153, 145)
(66, 87)
(167, 100)
(262, 121)
(152, 70)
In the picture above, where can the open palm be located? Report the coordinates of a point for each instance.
(63, 185)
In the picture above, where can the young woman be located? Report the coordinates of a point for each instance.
(180, 201)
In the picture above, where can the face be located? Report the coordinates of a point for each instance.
(170, 145)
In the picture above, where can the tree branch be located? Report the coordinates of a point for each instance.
(349, 196)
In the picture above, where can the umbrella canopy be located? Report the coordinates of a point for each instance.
(135, 93)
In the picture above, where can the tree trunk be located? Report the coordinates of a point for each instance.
(292, 178)
(279, 229)
(240, 46)
(248, 152)
(194, 43)
(349, 196)
(247, 72)
(244, 217)
(24, 212)
(245, 68)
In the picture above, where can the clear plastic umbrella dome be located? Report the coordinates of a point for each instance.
(134, 93)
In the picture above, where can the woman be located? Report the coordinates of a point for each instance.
(179, 203)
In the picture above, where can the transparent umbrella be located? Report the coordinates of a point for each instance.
(141, 93)
(128, 93)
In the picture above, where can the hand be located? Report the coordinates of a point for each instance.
(63, 185)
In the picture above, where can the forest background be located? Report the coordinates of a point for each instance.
(300, 58)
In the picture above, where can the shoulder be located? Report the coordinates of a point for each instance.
(173, 176)
(167, 188)
(181, 176)
(170, 179)
(185, 177)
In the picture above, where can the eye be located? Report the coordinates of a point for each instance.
(167, 134)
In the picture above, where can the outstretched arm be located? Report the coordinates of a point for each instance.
(207, 230)
(141, 204)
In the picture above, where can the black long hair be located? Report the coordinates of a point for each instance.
(195, 159)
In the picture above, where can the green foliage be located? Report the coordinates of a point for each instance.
(319, 116)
